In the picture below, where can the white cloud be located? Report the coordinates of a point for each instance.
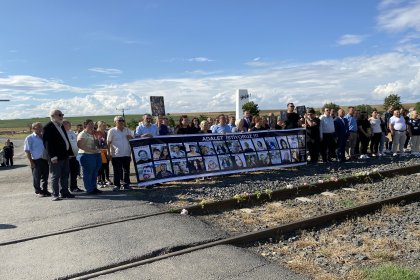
(394, 17)
(258, 62)
(106, 71)
(350, 39)
(350, 81)
(200, 59)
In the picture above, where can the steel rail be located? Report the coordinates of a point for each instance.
(246, 238)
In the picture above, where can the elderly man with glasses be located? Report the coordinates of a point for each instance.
(120, 152)
(146, 128)
(57, 144)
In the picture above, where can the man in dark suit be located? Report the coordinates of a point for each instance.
(341, 134)
(58, 146)
(247, 120)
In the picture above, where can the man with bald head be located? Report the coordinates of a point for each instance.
(59, 149)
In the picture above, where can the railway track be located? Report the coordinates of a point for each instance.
(242, 200)
(252, 200)
(265, 234)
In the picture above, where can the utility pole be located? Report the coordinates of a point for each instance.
(122, 110)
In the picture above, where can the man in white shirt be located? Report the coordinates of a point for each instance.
(398, 129)
(327, 131)
(35, 152)
(120, 151)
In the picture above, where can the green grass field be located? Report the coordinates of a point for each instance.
(20, 128)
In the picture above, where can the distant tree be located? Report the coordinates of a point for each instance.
(171, 120)
(252, 108)
(392, 100)
(132, 124)
(331, 106)
(202, 118)
(365, 108)
(417, 106)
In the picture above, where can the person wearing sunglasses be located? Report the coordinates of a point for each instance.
(57, 144)
(120, 152)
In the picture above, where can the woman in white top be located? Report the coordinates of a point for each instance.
(376, 133)
(90, 156)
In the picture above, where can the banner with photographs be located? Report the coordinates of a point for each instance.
(170, 158)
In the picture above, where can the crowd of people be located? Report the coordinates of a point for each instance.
(57, 151)
(332, 135)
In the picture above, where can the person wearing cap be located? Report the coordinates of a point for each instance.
(120, 152)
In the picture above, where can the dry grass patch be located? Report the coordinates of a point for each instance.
(414, 230)
(369, 222)
(391, 210)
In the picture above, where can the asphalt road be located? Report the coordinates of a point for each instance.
(22, 214)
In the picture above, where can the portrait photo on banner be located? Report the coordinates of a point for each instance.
(239, 160)
(251, 160)
(196, 165)
(275, 156)
(206, 148)
(293, 141)
(145, 171)
(180, 167)
(264, 158)
(271, 143)
(282, 141)
(259, 144)
(285, 156)
(226, 162)
(163, 169)
(212, 164)
(192, 149)
(234, 146)
(221, 147)
(177, 150)
(142, 154)
(247, 145)
(157, 150)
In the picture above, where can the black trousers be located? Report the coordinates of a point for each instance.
(374, 142)
(40, 175)
(327, 146)
(74, 171)
(121, 167)
(364, 143)
(9, 160)
(341, 148)
(313, 148)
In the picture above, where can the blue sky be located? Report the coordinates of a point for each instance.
(88, 57)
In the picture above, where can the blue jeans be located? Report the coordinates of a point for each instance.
(91, 163)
